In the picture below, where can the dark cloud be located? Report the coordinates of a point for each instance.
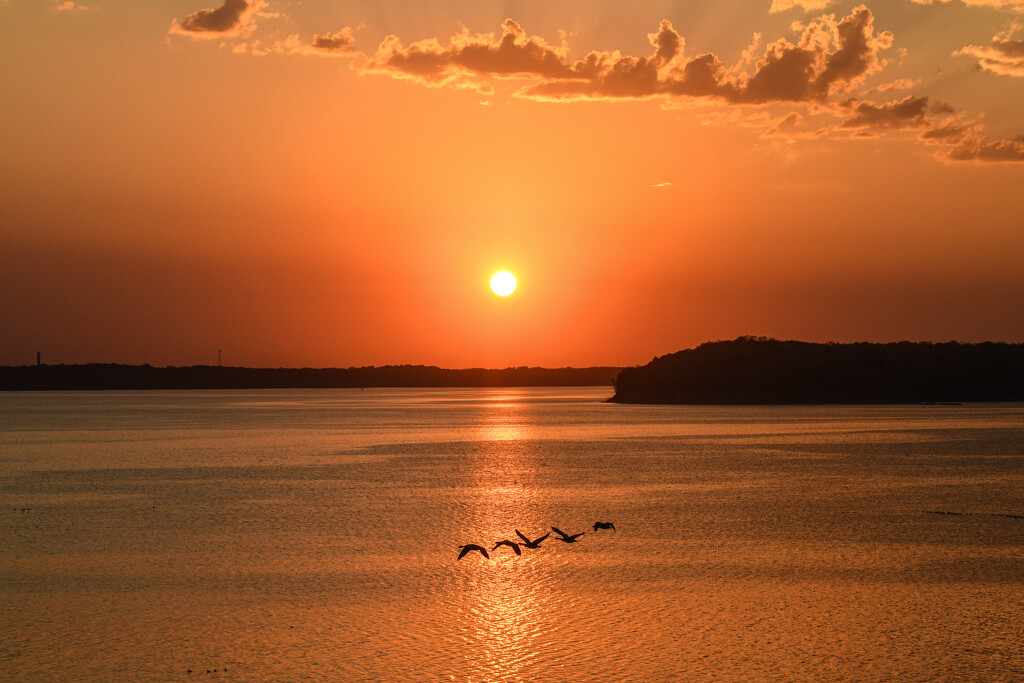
(958, 136)
(910, 112)
(338, 44)
(857, 51)
(234, 17)
(341, 41)
(513, 54)
(830, 57)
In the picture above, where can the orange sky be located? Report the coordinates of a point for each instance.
(333, 183)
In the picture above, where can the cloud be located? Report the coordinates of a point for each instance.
(910, 112)
(960, 138)
(812, 69)
(898, 84)
(998, 4)
(980, 149)
(830, 56)
(788, 127)
(785, 88)
(1002, 56)
(338, 44)
(814, 5)
(946, 133)
(233, 18)
(514, 54)
(806, 5)
(68, 6)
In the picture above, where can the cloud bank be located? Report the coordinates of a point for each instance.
(814, 5)
(829, 56)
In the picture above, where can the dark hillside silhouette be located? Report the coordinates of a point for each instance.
(757, 370)
(115, 376)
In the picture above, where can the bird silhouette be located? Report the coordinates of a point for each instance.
(471, 547)
(604, 525)
(534, 544)
(566, 537)
(510, 544)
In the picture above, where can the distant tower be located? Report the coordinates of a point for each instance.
(38, 359)
(218, 358)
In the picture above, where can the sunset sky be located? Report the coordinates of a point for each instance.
(333, 183)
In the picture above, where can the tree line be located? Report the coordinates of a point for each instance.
(758, 370)
(95, 376)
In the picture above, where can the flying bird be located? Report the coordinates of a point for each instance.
(566, 537)
(604, 525)
(471, 547)
(510, 544)
(533, 545)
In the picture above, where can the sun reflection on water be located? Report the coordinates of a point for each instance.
(504, 600)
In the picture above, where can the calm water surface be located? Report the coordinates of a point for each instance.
(313, 535)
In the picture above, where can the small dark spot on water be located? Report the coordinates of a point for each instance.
(1008, 515)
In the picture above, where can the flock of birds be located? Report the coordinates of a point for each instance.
(532, 545)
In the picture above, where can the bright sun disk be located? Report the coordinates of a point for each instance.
(503, 283)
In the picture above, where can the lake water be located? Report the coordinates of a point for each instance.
(312, 535)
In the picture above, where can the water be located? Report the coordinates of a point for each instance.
(313, 535)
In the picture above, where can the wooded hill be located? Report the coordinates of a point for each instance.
(757, 370)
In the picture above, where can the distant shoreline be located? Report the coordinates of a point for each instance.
(113, 376)
(762, 371)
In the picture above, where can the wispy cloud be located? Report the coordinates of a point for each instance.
(70, 6)
(806, 5)
(978, 148)
(1003, 56)
(959, 138)
(898, 84)
(998, 4)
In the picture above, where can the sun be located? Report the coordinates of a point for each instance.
(503, 283)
